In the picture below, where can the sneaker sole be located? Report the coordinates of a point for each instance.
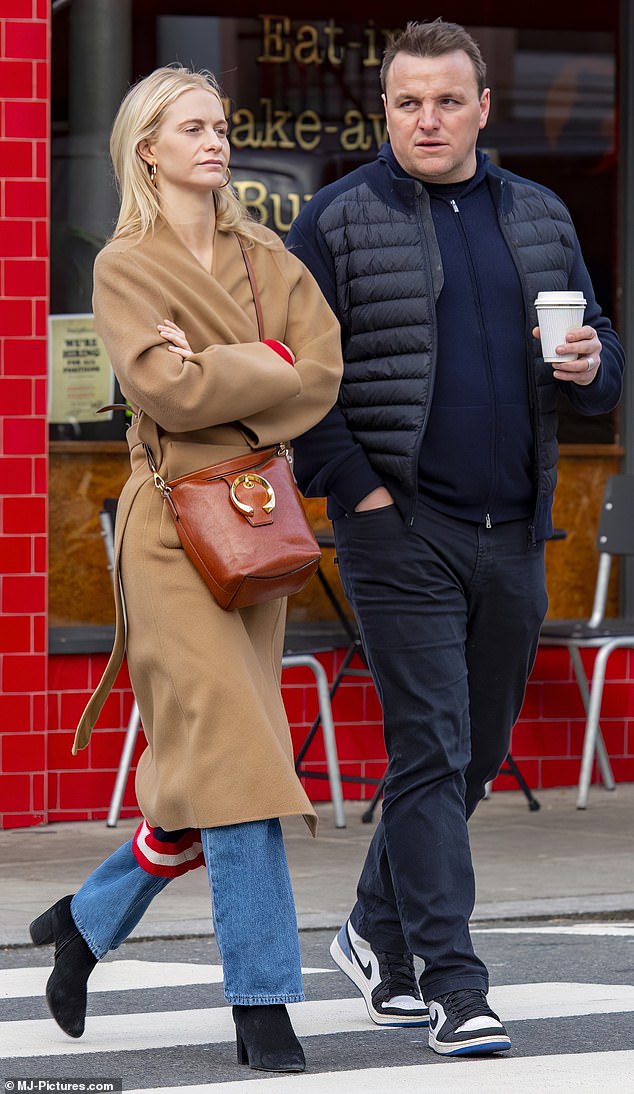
(479, 1046)
(349, 968)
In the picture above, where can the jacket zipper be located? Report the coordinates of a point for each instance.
(454, 205)
(432, 378)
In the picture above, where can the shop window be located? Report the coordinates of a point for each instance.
(304, 102)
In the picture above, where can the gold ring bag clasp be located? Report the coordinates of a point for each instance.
(248, 480)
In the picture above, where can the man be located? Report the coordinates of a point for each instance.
(439, 465)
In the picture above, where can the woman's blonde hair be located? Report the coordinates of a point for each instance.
(139, 118)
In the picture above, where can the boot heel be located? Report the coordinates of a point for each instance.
(243, 1057)
(41, 929)
(265, 1039)
(66, 992)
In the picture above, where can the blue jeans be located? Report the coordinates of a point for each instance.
(252, 907)
(449, 613)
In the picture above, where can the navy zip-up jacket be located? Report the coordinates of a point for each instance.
(476, 457)
(445, 397)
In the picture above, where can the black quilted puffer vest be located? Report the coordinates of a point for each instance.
(388, 276)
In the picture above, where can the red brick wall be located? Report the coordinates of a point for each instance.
(24, 153)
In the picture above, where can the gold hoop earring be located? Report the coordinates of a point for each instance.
(227, 180)
(153, 173)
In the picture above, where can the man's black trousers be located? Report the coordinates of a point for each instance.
(449, 615)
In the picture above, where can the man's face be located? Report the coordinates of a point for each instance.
(434, 114)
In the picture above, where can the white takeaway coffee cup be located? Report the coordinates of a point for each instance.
(557, 313)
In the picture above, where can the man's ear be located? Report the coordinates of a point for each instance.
(485, 106)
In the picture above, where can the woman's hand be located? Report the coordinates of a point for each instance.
(176, 337)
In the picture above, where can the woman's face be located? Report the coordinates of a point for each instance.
(191, 150)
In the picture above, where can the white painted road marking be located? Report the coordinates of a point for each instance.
(602, 930)
(120, 976)
(158, 1030)
(583, 1073)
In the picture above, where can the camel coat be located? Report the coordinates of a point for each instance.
(207, 681)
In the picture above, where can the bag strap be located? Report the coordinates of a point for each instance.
(159, 482)
(150, 457)
(282, 450)
(254, 288)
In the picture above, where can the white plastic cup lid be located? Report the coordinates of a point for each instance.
(561, 299)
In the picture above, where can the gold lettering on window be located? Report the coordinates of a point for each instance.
(276, 49)
(303, 114)
(312, 44)
(276, 210)
(307, 51)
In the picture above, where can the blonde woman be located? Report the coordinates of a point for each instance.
(174, 306)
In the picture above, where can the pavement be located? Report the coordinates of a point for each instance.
(555, 862)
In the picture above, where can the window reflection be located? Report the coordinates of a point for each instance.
(303, 98)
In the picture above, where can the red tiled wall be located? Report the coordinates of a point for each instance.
(40, 701)
(24, 153)
(547, 740)
(80, 787)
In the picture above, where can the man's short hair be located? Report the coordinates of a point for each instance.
(433, 39)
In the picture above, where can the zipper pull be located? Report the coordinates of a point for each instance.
(454, 205)
(487, 522)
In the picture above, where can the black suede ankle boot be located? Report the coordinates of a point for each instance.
(265, 1039)
(66, 992)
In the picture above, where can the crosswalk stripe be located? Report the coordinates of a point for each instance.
(120, 976)
(158, 1030)
(610, 1072)
(601, 930)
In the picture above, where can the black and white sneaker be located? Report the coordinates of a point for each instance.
(387, 981)
(462, 1023)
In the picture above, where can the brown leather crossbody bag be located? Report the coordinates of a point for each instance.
(242, 522)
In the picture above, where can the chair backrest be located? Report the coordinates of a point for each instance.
(615, 536)
(615, 533)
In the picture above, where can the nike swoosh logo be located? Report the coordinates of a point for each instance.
(365, 969)
(433, 1020)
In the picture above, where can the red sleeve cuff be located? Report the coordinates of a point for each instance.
(280, 348)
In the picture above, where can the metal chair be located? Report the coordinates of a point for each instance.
(289, 660)
(615, 536)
